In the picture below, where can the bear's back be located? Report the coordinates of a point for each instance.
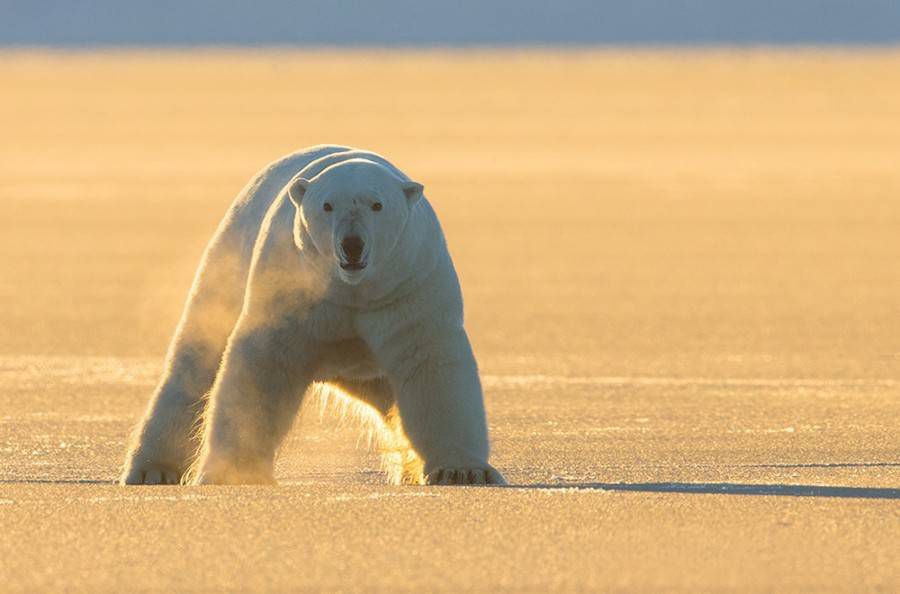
(322, 163)
(253, 202)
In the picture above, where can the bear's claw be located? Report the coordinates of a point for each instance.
(465, 476)
(153, 475)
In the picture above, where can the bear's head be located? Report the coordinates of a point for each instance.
(354, 213)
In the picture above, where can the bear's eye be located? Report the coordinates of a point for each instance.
(377, 206)
(327, 207)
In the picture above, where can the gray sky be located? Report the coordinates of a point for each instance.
(448, 22)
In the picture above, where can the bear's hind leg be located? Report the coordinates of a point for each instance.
(399, 461)
(376, 392)
(164, 443)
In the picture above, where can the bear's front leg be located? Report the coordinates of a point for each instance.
(252, 405)
(442, 407)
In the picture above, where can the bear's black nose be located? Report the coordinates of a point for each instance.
(352, 246)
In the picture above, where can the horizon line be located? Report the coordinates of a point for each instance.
(561, 47)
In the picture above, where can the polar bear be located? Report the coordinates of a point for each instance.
(330, 266)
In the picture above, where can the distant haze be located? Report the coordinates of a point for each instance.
(446, 23)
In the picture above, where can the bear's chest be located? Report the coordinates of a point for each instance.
(339, 350)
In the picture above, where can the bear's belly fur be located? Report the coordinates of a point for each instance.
(348, 359)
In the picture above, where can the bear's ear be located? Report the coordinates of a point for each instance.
(297, 189)
(413, 191)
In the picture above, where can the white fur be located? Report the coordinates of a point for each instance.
(278, 304)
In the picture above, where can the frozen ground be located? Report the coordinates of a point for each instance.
(681, 281)
(644, 483)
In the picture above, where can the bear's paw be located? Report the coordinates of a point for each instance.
(487, 475)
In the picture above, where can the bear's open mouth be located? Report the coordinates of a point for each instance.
(353, 265)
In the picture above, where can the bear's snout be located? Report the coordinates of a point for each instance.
(352, 247)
